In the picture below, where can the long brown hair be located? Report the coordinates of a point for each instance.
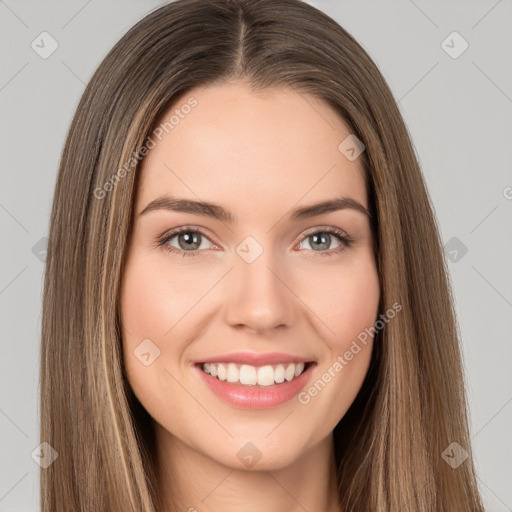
(389, 446)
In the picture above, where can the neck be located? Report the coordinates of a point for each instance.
(191, 481)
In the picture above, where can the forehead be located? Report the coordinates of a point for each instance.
(250, 149)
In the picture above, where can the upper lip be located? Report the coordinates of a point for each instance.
(255, 359)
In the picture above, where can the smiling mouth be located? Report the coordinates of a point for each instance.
(258, 376)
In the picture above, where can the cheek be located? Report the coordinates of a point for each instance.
(147, 303)
(344, 298)
(158, 301)
(349, 306)
(347, 302)
(143, 308)
(357, 301)
(154, 296)
(150, 305)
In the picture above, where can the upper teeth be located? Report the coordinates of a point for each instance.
(252, 375)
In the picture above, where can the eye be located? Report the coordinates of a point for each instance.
(321, 239)
(191, 241)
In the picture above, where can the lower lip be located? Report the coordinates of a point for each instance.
(256, 397)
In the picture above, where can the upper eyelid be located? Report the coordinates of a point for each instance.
(319, 228)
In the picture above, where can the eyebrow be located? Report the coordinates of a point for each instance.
(218, 212)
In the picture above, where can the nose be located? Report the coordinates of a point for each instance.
(258, 296)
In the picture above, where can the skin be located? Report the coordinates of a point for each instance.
(259, 155)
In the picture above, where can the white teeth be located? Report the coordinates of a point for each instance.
(249, 375)
(221, 371)
(290, 372)
(266, 376)
(233, 375)
(279, 374)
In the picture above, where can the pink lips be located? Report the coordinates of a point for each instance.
(255, 397)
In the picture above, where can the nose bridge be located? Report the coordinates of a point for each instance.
(257, 294)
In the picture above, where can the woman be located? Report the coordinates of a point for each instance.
(306, 357)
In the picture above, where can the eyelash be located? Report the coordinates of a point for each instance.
(346, 241)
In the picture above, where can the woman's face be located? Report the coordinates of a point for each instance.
(255, 285)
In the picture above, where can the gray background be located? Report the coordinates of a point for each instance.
(458, 111)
